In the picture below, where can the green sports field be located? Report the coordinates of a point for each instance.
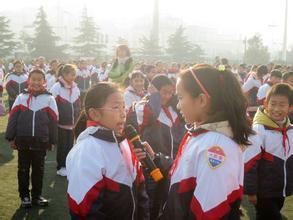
(55, 189)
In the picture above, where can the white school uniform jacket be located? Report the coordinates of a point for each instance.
(68, 102)
(131, 96)
(262, 92)
(105, 180)
(269, 161)
(15, 84)
(251, 87)
(206, 176)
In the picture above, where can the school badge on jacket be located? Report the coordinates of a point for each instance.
(215, 157)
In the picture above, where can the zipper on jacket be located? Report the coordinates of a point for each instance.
(72, 115)
(285, 178)
(133, 203)
(33, 124)
(172, 145)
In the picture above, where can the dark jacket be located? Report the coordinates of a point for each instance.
(269, 161)
(33, 121)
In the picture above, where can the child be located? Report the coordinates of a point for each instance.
(67, 96)
(288, 78)
(251, 86)
(32, 129)
(159, 124)
(207, 174)
(269, 166)
(135, 92)
(51, 75)
(104, 177)
(122, 66)
(83, 75)
(274, 78)
(15, 82)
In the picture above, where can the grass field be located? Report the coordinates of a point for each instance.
(54, 189)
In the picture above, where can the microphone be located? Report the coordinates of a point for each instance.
(132, 136)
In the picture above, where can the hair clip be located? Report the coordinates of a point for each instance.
(221, 68)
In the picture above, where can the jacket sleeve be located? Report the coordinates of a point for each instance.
(53, 125)
(86, 182)
(12, 120)
(147, 112)
(9, 86)
(252, 155)
(142, 202)
(217, 185)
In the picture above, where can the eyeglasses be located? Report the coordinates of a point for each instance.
(120, 109)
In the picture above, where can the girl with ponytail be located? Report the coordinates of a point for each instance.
(206, 177)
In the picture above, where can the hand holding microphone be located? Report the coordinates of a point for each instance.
(133, 138)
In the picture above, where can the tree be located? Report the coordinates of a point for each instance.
(179, 48)
(7, 44)
(44, 42)
(88, 42)
(256, 52)
(149, 47)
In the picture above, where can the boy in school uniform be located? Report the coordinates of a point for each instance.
(269, 164)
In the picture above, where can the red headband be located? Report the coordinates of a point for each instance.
(203, 89)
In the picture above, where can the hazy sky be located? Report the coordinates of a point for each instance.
(245, 16)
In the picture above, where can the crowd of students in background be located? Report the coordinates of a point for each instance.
(55, 104)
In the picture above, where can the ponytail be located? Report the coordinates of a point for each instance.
(234, 106)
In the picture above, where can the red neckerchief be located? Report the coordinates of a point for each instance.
(90, 123)
(182, 146)
(284, 136)
(32, 92)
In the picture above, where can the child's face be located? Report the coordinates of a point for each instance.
(121, 53)
(18, 68)
(191, 108)
(289, 81)
(166, 93)
(69, 77)
(138, 83)
(278, 107)
(54, 66)
(275, 80)
(113, 113)
(36, 81)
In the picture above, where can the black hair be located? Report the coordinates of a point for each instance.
(262, 70)
(227, 99)
(136, 74)
(276, 73)
(37, 71)
(281, 89)
(287, 75)
(95, 97)
(64, 69)
(161, 80)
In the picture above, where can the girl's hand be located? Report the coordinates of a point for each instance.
(141, 154)
(252, 199)
(12, 145)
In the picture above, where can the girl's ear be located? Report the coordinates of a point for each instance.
(204, 100)
(94, 114)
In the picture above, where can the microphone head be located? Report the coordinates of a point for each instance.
(130, 132)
